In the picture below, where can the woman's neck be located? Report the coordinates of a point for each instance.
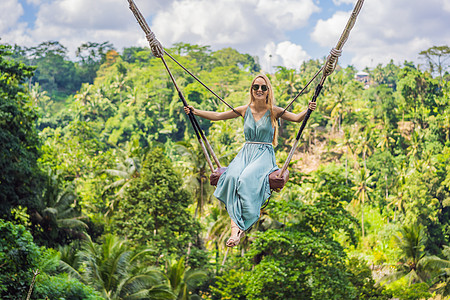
(259, 105)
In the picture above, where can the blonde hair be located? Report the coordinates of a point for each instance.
(270, 100)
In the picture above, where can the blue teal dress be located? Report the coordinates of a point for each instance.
(244, 186)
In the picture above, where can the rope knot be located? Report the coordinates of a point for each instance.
(335, 52)
(155, 45)
(332, 60)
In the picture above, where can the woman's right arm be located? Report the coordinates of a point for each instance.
(216, 116)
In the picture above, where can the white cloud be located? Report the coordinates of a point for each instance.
(284, 54)
(326, 33)
(446, 5)
(230, 22)
(248, 26)
(11, 11)
(34, 2)
(340, 2)
(73, 22)
(201, 22)
(286, 14)
(387, 30)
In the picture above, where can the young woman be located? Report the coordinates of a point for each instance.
(244, 186)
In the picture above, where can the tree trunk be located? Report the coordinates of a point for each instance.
(362, 216)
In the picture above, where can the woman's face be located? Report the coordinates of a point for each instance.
(260, 89)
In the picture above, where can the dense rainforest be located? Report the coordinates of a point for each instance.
(105, 191)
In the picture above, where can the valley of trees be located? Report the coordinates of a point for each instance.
(105, 192)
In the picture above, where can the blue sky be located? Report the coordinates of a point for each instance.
(291, 31)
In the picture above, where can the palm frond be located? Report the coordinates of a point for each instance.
(71, 223)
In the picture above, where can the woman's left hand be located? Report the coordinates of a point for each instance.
(312, 105)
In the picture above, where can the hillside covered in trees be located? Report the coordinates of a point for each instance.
(105, 192)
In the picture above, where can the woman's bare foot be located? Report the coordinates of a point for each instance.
(236, 235)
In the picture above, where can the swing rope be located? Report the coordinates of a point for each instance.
(329, 68)
(158, 51)
(196, 78)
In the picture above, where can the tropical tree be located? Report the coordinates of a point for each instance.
(128, 168)
(415, 145)
(22, 262)
(58, 218)
(55, 73)
(20, 176)
(386, 136)
(362, 189)
(196, 174)
(117, 271)
(154, 208)
(402, 172)
(183, 280)
(437, 57)
(386, 75)
(91, 55)
(442, 279)
(19, 257)
(418, 91)
(364, 144)
(414, 264)
(342, 93)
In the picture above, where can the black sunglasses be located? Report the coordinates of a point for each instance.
(264, 87)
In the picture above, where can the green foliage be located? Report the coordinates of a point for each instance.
(64, 287)
(20, 176)
(117, 271)
(184, 280)
(19, 257)
(413, 292)
(153, 210)
(302, 258)
(229, 286)
(297, 262)
(361, 279)
(57, 220)
(436, 58)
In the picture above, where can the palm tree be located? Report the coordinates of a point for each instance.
(398, 201)
(118, 272)
(40, 98)
(84, 95)
(362, 187)
(128, 168)
(337, 100)
(415, 145)
(347, 144)
(442, 279)
(220, 229)
(184, 280)
(385, 139)
(365, 144)
(57, 210)
(118, 85)
(196, 173)
(415, 265)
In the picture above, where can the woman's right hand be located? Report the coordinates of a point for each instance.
(188, 109)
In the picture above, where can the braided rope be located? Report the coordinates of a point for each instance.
(327, 70)
(336, 52)
(155, 45)
(332, 61)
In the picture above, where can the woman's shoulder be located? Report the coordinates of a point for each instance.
(277, 110)
(242, 109)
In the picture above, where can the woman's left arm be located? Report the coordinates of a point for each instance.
(294, 117)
